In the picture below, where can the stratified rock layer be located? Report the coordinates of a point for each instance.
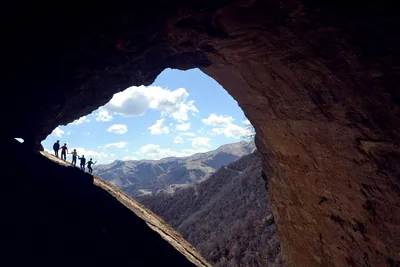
(318, 79)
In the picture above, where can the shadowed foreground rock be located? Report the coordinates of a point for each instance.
(54, 216)
(319, 80)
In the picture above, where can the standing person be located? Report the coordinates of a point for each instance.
(83, 162)
(56, 147)
(89, 165)
(74, 155)
(64, 151)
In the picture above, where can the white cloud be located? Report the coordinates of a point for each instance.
(188, 134)
(182, 113)
(183, 127)
(152, 151)
(231, 130)
(135, 101)
(69, 132)
(215, 120)
(118, 129)
(99, 156)
(79, 121)
(117, 145)
(246, 122)
(57, 132)
(201, 142)
(223, 125)
(178, 140)
(159, 127)
(102, 115)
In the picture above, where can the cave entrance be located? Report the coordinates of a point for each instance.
(182, 113)
(318, 81)
(184, 137)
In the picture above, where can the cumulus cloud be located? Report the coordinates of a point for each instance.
(188, 134)
(79, 121)
(159, 127)
(152, 151)
(246, 122)
(214, 120)
(117, 145)
(182, 127)
(231, 130)
(135, 101)
(223, 125)
(57, 132)
(96, 155)
(178, 140)
(201, 142)
(118, 129)
(102, 115)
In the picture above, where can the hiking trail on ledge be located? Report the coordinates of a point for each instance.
(151, 219)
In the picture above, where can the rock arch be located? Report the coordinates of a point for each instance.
(319, 81)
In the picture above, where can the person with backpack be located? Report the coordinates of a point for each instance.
(83, 162)
(89, 165)
(74, 156)
(64, 151)
(56, 147)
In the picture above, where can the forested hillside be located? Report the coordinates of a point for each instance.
(227, 218)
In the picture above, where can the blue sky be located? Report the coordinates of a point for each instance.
(181, 113)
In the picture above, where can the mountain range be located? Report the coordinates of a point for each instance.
(147, 177)
(228, 217)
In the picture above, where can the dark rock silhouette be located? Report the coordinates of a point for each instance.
(318, 80)
(54, 216)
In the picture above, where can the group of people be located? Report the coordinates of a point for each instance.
(64, 152)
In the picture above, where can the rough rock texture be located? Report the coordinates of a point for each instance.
(318, 79)
(54, 215)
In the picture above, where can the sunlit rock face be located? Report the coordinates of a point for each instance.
(318, 80)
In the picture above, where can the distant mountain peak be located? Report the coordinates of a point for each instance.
(153, 175)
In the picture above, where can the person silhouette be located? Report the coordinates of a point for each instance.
(64, 151)
(83, 162)
(89, 165)
(74, 155)
(56, 147)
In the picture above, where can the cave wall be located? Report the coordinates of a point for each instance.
(326, 113)
(319, 81)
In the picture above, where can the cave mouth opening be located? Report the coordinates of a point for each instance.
(313, 78)
(182, 113)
